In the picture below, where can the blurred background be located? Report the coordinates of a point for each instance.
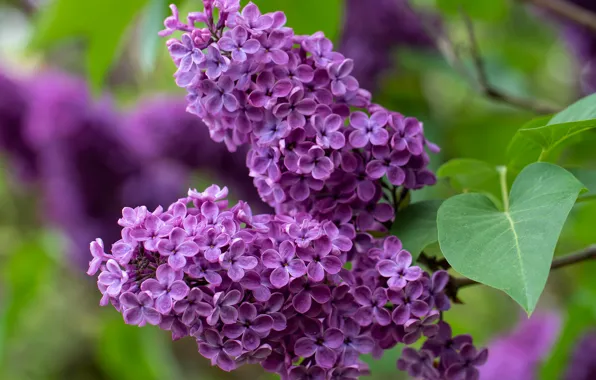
(91, 121)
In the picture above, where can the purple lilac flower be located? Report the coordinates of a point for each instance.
(277, 290)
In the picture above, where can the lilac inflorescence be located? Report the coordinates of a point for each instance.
(317, 142)
(273, 289)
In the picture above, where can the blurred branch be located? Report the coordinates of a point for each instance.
(586, 254)
(480, 78)
(569, 11)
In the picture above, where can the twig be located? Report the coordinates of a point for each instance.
(488, 90)
(568, 10)
(560, 262)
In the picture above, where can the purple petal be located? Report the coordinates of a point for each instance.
(302, 302)
(279, 277)
(305, 347)
(332, 264)
(387, 268)
(262, 323)
(321, 293)
(333, 337)
(325, 357)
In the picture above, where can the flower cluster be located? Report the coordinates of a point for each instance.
(318, 143)
(273, 289)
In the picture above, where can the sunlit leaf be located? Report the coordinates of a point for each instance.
(510, 249)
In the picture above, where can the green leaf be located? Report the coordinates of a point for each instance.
(100, 23)
(467, 174)
(487, 10)
(536, 142)
(308, 16)
(416, 226)
(522, 150)
(510, 250)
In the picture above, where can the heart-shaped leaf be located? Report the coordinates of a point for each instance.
(416, 226)
(509, 249)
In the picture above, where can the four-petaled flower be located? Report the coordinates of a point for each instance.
(321, 344)
(316, 162)
(186, 52)
(138, 309)
(168, 287)
(220, 352)
(113, 278)
(250, 326)
(399, 270)
(372, 306)
(284, 264)
(238, 43)
(235, 261)
(295, 109)
(368, 129)
(177, 248)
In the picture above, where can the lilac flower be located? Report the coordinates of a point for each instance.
(223, 307)
(284, 264)
(238, 43)
(319, 260)
(235, 261)
(138, 310)
(192, 307)
(186, 52)
(300, 185)
(177, 248)
(445, 345)
(302, 373)
(316, 162)
(426, 326)
(211, 242)
(256, 356)
(219, 95)
(268, 90)
(344, 373)
(202, 268)
(372, 306)
(327, 129)
(154, 230)
(168, 287)
(257, 284)
(295, 71)
(113, 278)
(355, 343)
(272, 308)
(368, 130)
(409, 136)
(322, 345)
(305, 291)
(250, 326)
(296, 108)
(399, 271)
(341, 80)
(220, 353)
(321, 49)
(466, 368)
(271, 48)
(417, 363)
(271, 129)
(388, 162)
(99, 256)
(408, 303)
(133, 217)
(214, 62)
(435, 288)
(252, 19)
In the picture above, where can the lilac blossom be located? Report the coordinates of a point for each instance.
(238, 43)
(167, 288)
(139, 310)
(284, 264)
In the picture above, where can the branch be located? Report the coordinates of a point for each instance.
(533, 105)
(482, 84)
(586, 254)
(569, 11)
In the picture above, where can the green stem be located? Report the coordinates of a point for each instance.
(586, 198)
(542, 155)
(504, 190)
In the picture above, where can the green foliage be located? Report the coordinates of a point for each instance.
(155, 12)
(488, 10)
(100, 23)
(308, 16)
(509, 249)
(416, 226)
(535, 142)
(471, 175)
(130, 353)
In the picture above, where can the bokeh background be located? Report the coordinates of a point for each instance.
(91, 121)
